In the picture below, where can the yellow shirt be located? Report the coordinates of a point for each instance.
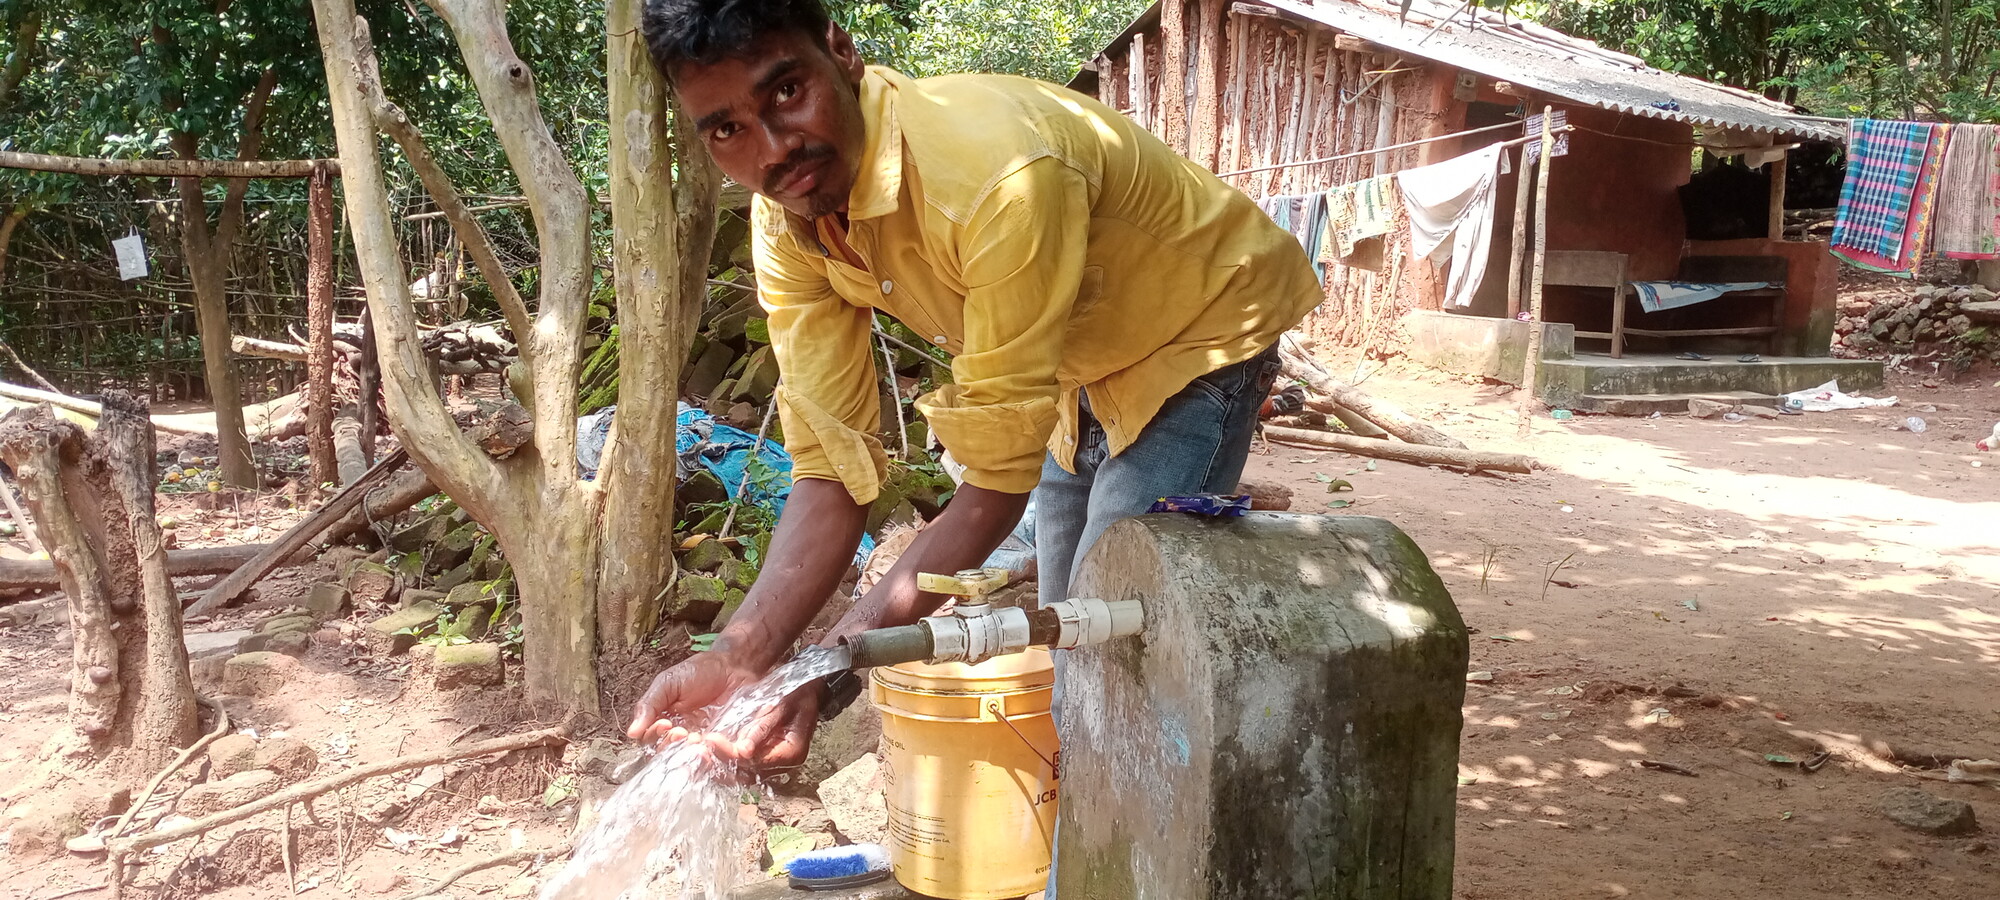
(1047, 242)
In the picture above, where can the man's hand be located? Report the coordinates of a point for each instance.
(778, 740)
(664, 712)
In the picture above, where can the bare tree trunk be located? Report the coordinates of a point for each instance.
(92, 501)
(661, 232)
(211, 300)
(319, 327)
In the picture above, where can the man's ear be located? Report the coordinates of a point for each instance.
(846, 56)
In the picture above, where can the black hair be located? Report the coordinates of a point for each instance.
(704, 31)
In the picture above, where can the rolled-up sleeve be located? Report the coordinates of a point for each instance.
(827, 401)
(1022, 253)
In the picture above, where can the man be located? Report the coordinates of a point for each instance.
(1112, 310)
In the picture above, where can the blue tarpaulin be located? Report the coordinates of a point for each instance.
(725, 451)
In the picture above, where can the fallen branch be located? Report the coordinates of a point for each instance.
(1354, 421)
(1418, 454)
(124, 847)
(75, 891)
(22, 574)
(297, 537)
(249, 346)
(1381, 412)
(86, 407)
(27, 369)
(20, 518)
(509, 857)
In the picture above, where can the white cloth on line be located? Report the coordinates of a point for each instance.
(1454, 200)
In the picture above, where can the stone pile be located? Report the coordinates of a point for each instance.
(1966, 317)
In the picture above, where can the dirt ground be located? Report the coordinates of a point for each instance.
(1769, 584)
(1821, 577)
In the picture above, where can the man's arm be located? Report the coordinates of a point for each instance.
(971, 527)
(810, 552)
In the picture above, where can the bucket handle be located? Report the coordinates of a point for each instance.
(993, 706)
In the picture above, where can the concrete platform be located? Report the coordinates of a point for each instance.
(1482, 347)
(1565, 382)
(778, 889)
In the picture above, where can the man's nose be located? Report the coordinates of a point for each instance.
(776, 145)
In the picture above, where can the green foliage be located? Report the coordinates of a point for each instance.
(1037, 38)
(1902, 58)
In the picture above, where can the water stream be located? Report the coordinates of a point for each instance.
(680, 810)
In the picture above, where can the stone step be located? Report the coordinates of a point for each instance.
(1565, 381)
(1666, 404)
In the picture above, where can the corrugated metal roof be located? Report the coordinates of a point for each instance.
(1546, 60)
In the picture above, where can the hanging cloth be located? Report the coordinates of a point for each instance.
(1890, 165)
(1453, 200)
(1354, 213)
(1967, 225)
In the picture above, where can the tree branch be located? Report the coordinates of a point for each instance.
(247, 145)
(186, 167)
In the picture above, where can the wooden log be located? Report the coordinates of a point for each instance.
(349, 457)
(1419, 454)
(123, 847)
(1354, 421)
(86, 407)
(1381, 412)
(1207, 120)
(1531, 366)
(167, 168)
(20, 518)
(297, 537)
(41, 574)
(319, 328)
(1173, 76)
(249, 346)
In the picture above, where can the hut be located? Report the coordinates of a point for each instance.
(1662, 177)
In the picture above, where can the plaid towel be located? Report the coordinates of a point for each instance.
(1880, 203)
(1655, 296)
(1968, 205)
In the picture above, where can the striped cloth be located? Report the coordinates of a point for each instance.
(1968, 204)
(1882, 203)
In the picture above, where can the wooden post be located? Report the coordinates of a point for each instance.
(1207, 123)
(1348, 788)
(319, 327)
(1518, 250)
(1142, 105)
(1173, 75)
(1531, 364)
(1239, 37)
(1776, 168)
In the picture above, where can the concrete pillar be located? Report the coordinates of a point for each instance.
(1287, 726)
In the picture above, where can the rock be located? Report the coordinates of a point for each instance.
(456, 547)
(258, 674)
(759, 378)
(277, 624)
(204, 644)
(1266, 494)
(854, 800)
(206, 671)
(1958, 325)
(855, 733)
(1901, 335)
(290, 643)
(454, 577)
(414, 596)
(718, 403)
(597, 757)
(467, 665)
(1708, 409)
(370, 583)
(1812, 559)
(697, 598)
(1987, 310)
(520, 887)
(1919, 811)
(470, 622)
(255, 642)
(230, 754)
(215, 796)
(326, 600)
(706, 556)
(291, 759)
(1880, 329)
(1981, 293)
(381, 636)
(46, 821)
(736, 573)
(470, 594)
(709, 369)
(423, 533)
(742, 415)
(731, 602)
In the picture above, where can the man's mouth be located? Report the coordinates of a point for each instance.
(801, 180)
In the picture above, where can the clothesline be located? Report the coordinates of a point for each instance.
(1370, 151)
(1559, 129)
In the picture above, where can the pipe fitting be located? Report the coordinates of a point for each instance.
(1082, 622)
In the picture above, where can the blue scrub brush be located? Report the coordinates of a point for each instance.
(835, 868)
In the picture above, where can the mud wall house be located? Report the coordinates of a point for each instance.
(1250, 89)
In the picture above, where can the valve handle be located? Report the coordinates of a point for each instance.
(967, 583)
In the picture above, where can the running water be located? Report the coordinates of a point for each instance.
(681, 806)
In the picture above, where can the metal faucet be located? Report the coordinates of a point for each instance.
(975, 631)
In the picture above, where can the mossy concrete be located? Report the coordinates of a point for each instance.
(1286, 727)
(1565, 381)
(1481, 346)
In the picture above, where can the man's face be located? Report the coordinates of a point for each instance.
(782, 118)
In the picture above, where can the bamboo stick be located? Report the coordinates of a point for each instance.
(1419, 454)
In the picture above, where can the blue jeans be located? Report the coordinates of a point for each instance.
(1196, 444)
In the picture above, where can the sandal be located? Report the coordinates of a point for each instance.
(1690, 354)
(1749, 358)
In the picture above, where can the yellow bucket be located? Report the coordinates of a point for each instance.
(969, 758)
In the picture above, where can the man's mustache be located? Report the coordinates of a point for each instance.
(810, 153)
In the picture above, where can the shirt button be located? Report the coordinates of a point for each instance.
(888, 286)
(939, 339)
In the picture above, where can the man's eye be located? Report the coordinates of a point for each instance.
(724, 131)
(787, 91)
